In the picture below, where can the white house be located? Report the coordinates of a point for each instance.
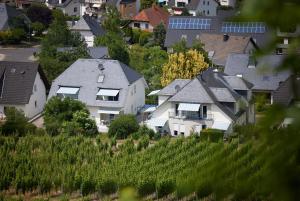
(89, 28)
(203, 7)
(107, 87)
(23, 85)
(68, 7)
(211, 100)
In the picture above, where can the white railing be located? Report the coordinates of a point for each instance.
(183, 115)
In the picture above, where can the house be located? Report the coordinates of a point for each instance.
(68, 7)
(227, 3)
(149, 18)
(108, 88)
(262, 72)
(19, 54)
(211, 100)
(285, 38)
(191, 28)
(219, 46)
(202, 7)
(21, 4)
(23, 85)
(127, 8)
(89, 28)
(8, 13)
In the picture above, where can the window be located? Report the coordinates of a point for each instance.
(204, 111)
(35, 104)
(207, 12)
(204, 12)
(204, 126)
(176, 109)
(108, 94)
(203, 2)
(146, 26)
(279, 51)
(286, 41)
(136, 25)
(100, 78)
(134, 88)
(207, 2)
(180, 4)
(75, 9)
(175, 133)
(71, 92)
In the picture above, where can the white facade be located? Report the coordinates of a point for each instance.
(36, 102)
(88, 37)
(144, 26)
(205, 8)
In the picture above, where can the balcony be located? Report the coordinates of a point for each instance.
(190, 116)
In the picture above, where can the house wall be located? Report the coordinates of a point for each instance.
(69, 9)
(283, 95)
(207, 8)
(135, 97)
(162, 99)
(88, 37)
(38, 97)
(29, 109)
(142, 26)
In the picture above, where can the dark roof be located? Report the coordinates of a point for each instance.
(175, 35)
(130, 74)
(94, 25)
(17, 80)
(127, 1)
(263, 75)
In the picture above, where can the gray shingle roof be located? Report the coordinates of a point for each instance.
(264, 76)
(84, 73)
(17, 80)
(170, 89)
(18, 54)
(88, 23)
(94, 52)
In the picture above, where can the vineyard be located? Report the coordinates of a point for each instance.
(46, 164)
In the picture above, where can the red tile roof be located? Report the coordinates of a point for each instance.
(153, 15)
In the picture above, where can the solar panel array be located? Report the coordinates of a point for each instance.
(243, 27)
(189, 23)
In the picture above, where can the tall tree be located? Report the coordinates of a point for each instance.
(183, 66)
(40, 13)
(112, 20)
(159, 34)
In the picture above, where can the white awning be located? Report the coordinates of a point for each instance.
(108, 112)
(158, 121)
(150, 109)
(189, 107)
(108, 92)
(68, 90)
(96, 5)
(153, 93)
(220, 125)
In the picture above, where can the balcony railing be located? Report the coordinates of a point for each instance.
(181, 115)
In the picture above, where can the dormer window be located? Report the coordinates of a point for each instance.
(100, 78)
(108, 94)
(71, 92)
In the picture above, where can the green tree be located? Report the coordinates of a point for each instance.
(38, 28)
(123, 126)
(112, 20)
(16, 123)
(40, 13)
(147, 3)
(58, 111)
(159, 33)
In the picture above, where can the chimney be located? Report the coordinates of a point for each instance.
(101, 67)
(225, 37)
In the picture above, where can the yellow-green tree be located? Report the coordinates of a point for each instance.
(183, 66)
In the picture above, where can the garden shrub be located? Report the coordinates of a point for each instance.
(146, 187)
(123, 126)
(107, 187)
(143, 143)
(211, 135)
(165, 187)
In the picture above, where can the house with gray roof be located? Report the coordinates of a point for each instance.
(203, 7)
(100, 52)
(23, 85)
(263, 73)
(190, 29)
(8, 13)
(89, 28)
(108, 88)
(211, 100)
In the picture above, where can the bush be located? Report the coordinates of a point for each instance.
(38, 28)
(211, 135)
(13, 36)
(143, 143)
(165, 187)
(127, 147)
(107, 187)
(123, 126)
(146, 187)
(16, 123)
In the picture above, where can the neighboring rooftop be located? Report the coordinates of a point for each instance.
(19, 54)
(262, 72)
(88, 23)
(154, 15)
(17, 80)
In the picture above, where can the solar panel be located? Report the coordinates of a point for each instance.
(243, 27)
(189, 23)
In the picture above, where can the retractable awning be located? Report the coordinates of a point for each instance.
(108, 92)
(96, 6)
(152, 93)
(220, 125)
(108, 112)
(150, 109)
(189, 107)
(68, 90)
(158, 122)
